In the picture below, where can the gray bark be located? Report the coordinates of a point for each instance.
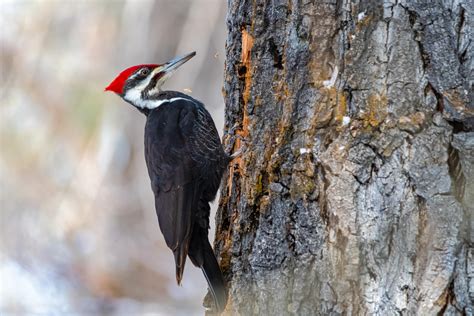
(355, 192)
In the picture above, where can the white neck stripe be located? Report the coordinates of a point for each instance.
(158, 103)
(134, 96)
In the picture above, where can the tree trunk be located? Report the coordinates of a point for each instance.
(355, 192)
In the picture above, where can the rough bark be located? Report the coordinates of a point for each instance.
(355, 192)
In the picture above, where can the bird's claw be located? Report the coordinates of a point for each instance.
(233, 129)
(233, 136)
(237, 154)
(242, 148)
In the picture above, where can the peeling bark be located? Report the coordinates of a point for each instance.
(355, 192)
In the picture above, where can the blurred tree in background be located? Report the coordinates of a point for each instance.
(79, 234)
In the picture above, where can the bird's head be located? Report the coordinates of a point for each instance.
(139, 85)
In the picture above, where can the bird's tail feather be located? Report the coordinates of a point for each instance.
(180, 255)
(202, 255)
(212, 272)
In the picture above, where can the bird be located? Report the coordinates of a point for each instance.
(185, 161)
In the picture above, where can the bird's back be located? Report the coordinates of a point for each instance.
(186, 161)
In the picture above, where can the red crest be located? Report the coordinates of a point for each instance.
(118, 83)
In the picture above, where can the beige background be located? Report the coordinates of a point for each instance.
(78, 230)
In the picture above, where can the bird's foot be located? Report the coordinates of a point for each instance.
(233, 129)
(233, 137)
(242, 148)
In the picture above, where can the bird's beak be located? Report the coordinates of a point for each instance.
(163, 72)
(173, 64)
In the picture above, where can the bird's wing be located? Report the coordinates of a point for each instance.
(179, 152)
(205, 147)
(174, 179)
(174, 209)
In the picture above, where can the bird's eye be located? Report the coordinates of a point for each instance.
(144, 71)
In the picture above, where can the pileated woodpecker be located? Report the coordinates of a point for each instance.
(185, 161)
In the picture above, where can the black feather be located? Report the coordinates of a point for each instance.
(202, 255)
(186, 161)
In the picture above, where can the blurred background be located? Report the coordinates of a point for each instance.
(78, 229)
